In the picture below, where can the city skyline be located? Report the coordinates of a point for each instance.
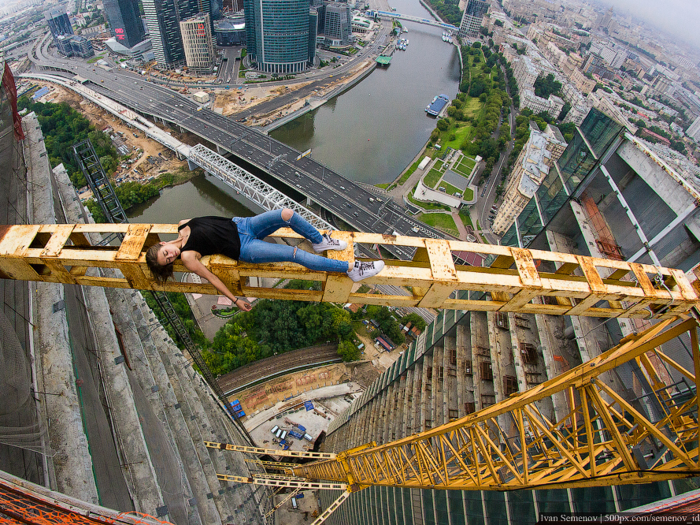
(666, 16)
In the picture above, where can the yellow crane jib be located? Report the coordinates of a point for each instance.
(518, 280)
(604, 439)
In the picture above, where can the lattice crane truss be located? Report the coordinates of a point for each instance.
(518, 280)
(607, 438)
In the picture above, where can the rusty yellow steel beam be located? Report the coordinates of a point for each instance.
(284, 500)
(518, 280)
(269, 451)
(604, 440)
(284, 483)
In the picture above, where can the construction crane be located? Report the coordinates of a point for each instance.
(518, 280)
(603, 440)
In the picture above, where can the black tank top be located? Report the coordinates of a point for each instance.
(210, 235)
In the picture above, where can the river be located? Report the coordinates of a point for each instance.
(369, 133)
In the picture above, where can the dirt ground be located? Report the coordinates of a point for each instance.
(235, 100)
(101, 119)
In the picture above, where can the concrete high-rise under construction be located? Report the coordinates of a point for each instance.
(80, 418)
(606, 196)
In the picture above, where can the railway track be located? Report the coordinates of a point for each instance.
(278, 365)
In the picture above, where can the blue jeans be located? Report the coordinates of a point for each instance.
(252, 230)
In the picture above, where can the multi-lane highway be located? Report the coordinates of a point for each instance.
(340, 196)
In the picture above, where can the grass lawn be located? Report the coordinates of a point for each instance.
(94, 59)
(426, 205)
(468, 194)
(461, 134)
(466, 218)
(466, 165)
(382, 186)
(439, 220)
(472, 106)
(449, 188)
(432, 178)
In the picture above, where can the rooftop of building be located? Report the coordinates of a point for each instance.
(229, 24)
(675, 164)
(555, 134)
(121, 49)
(534, 163)
(199, 17)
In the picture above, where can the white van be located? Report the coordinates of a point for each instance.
(294, 504)
(279, 433)
(284, 434)
(275, 429)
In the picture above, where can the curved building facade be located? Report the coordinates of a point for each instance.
(278, 35)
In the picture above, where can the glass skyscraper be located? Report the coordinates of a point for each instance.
(59, 23)
(163, 21)
(125, 21)
(277, 34)
(472, 17)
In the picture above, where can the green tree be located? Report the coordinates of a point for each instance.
(348, 351)
(62, 127)
(415, 320)
(546, 86)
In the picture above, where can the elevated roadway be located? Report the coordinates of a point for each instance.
(341, 197)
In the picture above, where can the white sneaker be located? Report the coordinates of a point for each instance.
(329, 243)
(363, 270)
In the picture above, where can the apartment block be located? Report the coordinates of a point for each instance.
(472, 18)
(552, 105)
(530, 169)
(525, 73)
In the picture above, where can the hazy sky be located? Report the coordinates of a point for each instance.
(679, 17)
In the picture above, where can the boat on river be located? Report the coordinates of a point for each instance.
(437, 105)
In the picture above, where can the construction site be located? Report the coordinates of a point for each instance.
(560, 376)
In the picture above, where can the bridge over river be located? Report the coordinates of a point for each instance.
(304, 176)
(409, 18)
